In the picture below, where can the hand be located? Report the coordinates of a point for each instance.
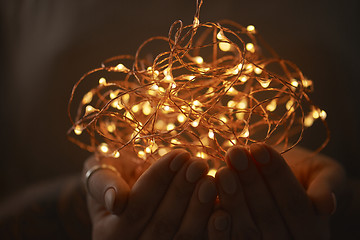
(267, 199)
(172, 199)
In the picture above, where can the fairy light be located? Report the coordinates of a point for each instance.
(250, 28)
(250, 47)
(198, 60)
(102, 81)
(78, 130)
(186, 99)
(87, 98)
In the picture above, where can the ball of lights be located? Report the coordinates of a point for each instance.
(204, 88)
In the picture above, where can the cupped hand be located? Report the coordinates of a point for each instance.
(270, 198)
(173, 198)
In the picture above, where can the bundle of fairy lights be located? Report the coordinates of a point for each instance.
(216, 85)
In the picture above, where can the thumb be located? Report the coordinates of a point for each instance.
(106, 186)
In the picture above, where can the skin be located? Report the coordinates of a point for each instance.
(172, 199)
(260, 196)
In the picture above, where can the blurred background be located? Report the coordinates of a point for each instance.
(46, 46)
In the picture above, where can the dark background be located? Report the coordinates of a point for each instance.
(47, 45)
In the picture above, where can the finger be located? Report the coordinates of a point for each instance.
(150, 189)
(288, 193)
(167, 218)
(259, 200)
(327, 181)
(106, 186)
(232, 200)
(219, 226)
(322, 196)
(195, 221)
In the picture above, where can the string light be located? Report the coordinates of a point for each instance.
(186, 99)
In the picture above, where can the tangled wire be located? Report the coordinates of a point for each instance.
(204, 88)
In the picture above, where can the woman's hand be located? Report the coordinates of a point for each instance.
(267, 199)
(172, 199)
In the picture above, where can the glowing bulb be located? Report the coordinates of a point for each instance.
(232, 91)
(315, 114)
(181, 118)
(204, 70)
(242, 104)
(146, 108)
(239, 66)
(173, 85)
(135, 108)
(212, 172)
(126, 98)
(264, 83)
(163, 151)
(116, 154)
(198, 60)
(243, 79)
(141, 154)
(250, 28)
(189, 77)
(111, 127)
(102, 81)
(170, 126)
(78, 130)
(211, 134)
(166, 109)
(231, 104)
(89, 109)
(201, 155)
(148, 150)
(128, 115)
(250, 47)
(308, 121)
(195, 123)
(221, 35)
(290, 105)
(154, 87)
(174, 141)
(167, 74)
(307, 83)
(104, 147)
(294, 83)
(224, 46)
(323, 115)
(245, 133)
(240, 115)
(258, 70)
(121, 68)
(223, 119)
(271, 106)
(196, 22)
(196, 104)
(87, 98)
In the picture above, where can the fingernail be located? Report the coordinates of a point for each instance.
(110, 199)
(260, 154)
(334, 203)
(227, 182)
(207, 191)
(178, 161)
(238, 158)
(195, 170)
(221, 222)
